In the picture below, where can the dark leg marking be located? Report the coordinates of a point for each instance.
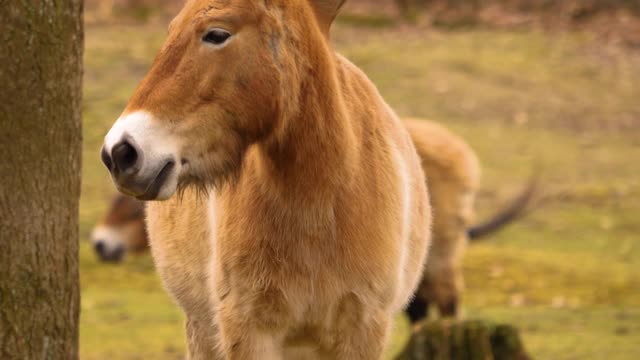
(417, 310)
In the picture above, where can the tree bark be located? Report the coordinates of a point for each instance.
(40, 154)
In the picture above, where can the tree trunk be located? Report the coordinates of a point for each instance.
(40, 148)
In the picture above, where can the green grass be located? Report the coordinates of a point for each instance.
(567, 276)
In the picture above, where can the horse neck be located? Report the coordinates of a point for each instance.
(313, 152)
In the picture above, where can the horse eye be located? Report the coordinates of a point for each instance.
(216, 36)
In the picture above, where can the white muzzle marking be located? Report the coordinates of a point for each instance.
(155, 145)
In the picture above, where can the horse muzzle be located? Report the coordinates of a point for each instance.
(141, 164)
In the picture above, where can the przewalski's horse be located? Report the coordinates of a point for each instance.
(122, 230)
(303, 221)
(453, 177)
(453, 174)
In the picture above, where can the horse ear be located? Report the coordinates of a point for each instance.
(326, 11)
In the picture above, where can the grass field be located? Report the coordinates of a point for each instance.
(568, 276)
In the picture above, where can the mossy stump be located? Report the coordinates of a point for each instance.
(465, 340)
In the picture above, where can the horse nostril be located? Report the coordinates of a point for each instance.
(124, 156)
(106, 159)
(99, 247)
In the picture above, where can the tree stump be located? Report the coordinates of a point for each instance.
(466, 340)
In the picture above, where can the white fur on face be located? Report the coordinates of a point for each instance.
(111, 237)
(155, 143)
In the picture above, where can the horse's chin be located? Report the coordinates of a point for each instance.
(208, 178)
(193, 184)
(163, 192)
(112, 259)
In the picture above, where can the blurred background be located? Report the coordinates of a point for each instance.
(534, 86)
